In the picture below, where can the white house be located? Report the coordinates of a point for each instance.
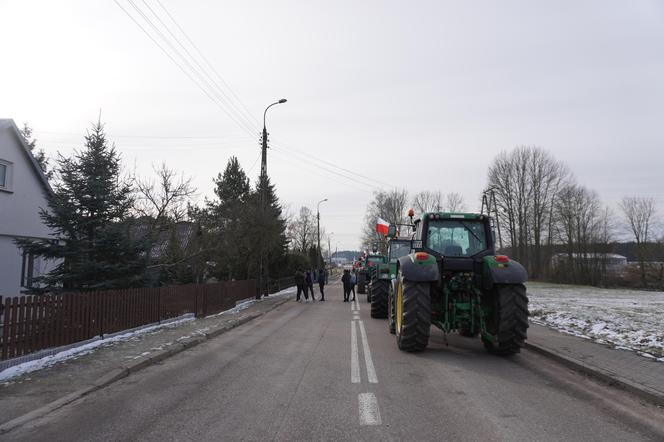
(23, 190)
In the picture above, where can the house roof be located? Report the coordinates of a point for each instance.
(9, 124)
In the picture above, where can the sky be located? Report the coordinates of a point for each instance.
(381, 94)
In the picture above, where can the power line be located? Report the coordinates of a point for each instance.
(223, 94)
(212, 137)
(207, 62)
(184, 71)
(368, 178)
(306, 159)
(331, 177)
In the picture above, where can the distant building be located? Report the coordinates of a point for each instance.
(340, 261)
(23, 192)
(614, 263)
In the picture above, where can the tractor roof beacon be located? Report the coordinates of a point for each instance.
(453, 279)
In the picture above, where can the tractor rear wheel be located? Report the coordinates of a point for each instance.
(379, 293)
(390, 308)
(509, 321)
(412, 314)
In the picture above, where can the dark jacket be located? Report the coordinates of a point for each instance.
(321, 277)
(345, 279)
(299, 278)
(308, 279)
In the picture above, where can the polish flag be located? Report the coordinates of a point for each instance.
(382, 226)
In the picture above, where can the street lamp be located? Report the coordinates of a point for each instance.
(264, 266)
(318, 220)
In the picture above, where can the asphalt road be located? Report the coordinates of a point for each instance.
(324, 371)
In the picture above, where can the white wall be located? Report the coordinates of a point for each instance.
(19, 210)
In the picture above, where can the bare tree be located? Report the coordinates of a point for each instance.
(302, 230)
(428, 201)
(388, 205)
(165, 199)
(526, 182)
(454, 202)
(639, 213)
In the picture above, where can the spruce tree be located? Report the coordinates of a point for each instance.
(228, 219)
(39, 155)
(87, 214)
(269, 226)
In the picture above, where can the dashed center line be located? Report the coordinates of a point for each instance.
(371, 371)
(369, 413)
(354, 359)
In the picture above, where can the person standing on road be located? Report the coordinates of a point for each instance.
(353, 281)
(321, 283)
(299, 282)
(309, 282)
(345, 280)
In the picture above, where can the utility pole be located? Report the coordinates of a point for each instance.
(318, 256)
(329, 251)
(264, 262)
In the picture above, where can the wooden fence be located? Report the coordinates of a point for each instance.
(32, 323)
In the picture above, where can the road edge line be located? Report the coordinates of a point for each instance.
(124, 371)
(641, 391)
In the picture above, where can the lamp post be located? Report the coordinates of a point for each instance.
(263, 265)
(318, 221)
(329, 251)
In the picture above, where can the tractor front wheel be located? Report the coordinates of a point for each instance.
(412, 314)
(509, 321)
(379, 294)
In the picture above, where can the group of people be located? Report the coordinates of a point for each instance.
(348, 279)
(304, 280)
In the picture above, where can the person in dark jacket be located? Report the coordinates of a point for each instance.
(299, 282)
(345, 280)
(321, 283)
(309, 282)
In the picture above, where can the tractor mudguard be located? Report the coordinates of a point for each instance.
(419, 270)
(502, 272)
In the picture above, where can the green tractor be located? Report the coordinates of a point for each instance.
(365, 271)
(453, 279)
(380, 286)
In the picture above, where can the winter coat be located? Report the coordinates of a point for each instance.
(353, 279)
(321, 277)
(308, 280)
(345, 279)
(299, 278)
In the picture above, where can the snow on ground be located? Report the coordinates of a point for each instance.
(89, 347)
(47, 361)
(626, 319)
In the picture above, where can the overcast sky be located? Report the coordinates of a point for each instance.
(421, 94)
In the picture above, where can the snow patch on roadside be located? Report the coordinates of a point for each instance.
(82, 350)
(625, 319)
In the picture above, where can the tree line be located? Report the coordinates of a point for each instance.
(114, 229)
(558, 228)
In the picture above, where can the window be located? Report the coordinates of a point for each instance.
(456, 238)
(5, 175)
(399, 249)
(29, 270)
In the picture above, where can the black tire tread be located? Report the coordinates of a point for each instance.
(379, 294)
(511, 319)
(416, 320)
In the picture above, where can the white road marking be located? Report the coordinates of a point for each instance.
(369, 413)
(371, 371)
(354, 359)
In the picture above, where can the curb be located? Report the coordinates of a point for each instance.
(132, 367)
(641, 391)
